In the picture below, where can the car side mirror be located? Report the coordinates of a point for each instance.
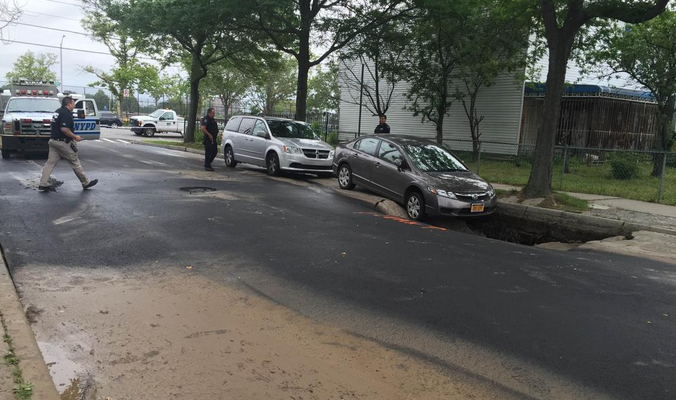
(81, 113)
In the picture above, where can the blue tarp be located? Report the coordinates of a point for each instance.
(534, 89)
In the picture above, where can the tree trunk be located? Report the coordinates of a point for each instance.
(540, 180)
(666, 133)
(440, 126)
(120, 99)
(196, 75)
(301, 88)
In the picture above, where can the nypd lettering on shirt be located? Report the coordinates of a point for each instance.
(87, 128)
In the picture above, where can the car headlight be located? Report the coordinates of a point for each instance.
(491, 193)
(292, 150)
(8, 127)
(442, 193)
(331, 153)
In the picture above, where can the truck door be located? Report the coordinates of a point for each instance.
(89, 127)
(168, 122)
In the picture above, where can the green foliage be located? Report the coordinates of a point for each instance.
(624, 167)
(275, 83)
(324, 90)
(33, 67)
(298, 27)
(228, 83)
(332, 139)
(102, 99)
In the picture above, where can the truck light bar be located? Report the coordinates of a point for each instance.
(27, 121)
(47, 121)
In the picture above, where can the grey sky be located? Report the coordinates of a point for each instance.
(58, 14)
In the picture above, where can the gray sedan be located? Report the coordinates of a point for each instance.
(423, 176)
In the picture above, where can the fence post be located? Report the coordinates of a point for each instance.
(361, 98)
(478, 159)
(664, 170)
(563, 166)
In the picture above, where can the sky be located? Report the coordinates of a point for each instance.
(61, 15)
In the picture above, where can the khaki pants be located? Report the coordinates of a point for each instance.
(57, 151)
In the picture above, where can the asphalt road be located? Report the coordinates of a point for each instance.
(602, 322)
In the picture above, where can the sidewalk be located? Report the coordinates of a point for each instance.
(635, 211)
(26, 369)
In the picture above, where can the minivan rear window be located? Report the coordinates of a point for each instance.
(233, 124)
(246, 126)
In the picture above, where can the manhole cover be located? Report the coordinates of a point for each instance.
(198, 189)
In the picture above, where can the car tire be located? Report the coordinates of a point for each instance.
(138, 133)
(5, 154)
(230, 157)
(149, 132)
(272, 164)
(345, 177)
(118, 124)
(415, 206)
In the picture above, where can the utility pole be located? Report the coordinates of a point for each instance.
(61, 57)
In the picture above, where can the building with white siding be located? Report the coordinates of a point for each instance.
(502, 106)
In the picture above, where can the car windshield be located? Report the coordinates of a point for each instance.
(291, 129)
(32, 105)
(432, 158)
(157, 113)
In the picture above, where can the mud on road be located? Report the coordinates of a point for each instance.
(175, 335)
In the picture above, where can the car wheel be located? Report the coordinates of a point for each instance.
(5, 154)
(415, 206)
(345, 177)
(118, 124)
(230, 157)
(150, 132)
(272, 162)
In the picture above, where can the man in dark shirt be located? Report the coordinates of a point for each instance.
(209, 128)
(61, 145)
(383, 127)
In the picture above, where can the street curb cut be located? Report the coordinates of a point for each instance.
(578, 221)
(26, 348)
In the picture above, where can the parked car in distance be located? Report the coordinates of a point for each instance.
(159, 121)
(110, 119)
(278, 144)
(426, 178)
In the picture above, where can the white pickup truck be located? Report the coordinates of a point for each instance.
(159, 121)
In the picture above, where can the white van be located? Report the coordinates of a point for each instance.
(275, 143)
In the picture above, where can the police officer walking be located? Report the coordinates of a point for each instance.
(61, 145)
(209, 128)
(382, 127)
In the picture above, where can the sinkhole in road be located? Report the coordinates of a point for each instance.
(514, 228)
(197, 189)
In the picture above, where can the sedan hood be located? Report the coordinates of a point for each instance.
(459, 182)
(306, 143)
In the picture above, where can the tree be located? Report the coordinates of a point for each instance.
(564, 22)
(647, 53)
(275, 84)
(102, 99)
(324, 90)
(431, 58)
(123, 47)
(492, 42)
(228, 83)
(379, 52)
(204, 32)
(10, 11)
(33, 67)
(296, 27)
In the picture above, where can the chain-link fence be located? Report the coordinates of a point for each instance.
(640, 175)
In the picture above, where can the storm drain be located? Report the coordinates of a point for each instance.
(198, 189)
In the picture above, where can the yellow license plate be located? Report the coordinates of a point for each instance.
(476, 208)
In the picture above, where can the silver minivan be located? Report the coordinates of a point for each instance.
(277, 144)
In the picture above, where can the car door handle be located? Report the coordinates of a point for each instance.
(377, 164)
(355, 155)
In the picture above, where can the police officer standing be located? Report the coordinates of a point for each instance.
(209, 128)
(382, 127)
(61, 145)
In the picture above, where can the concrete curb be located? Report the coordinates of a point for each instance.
(26, 347)
(171, 147)
(577, 221)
